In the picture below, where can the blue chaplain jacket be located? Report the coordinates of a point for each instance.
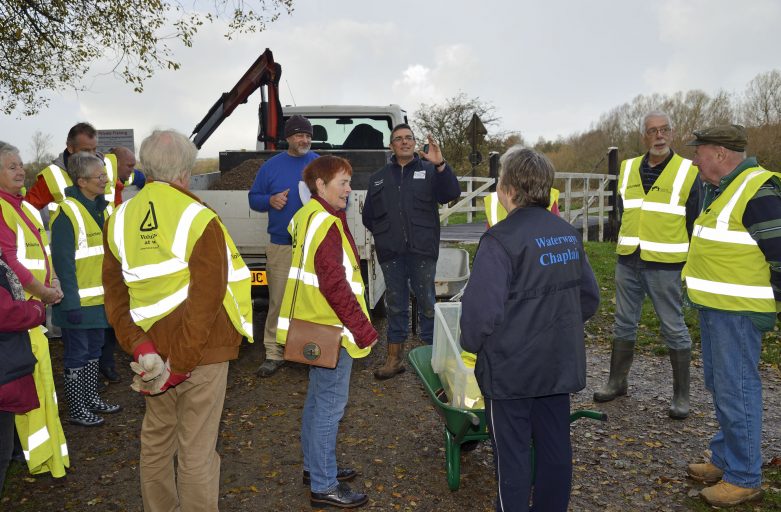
(530, 291)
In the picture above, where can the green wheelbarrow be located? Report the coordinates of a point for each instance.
(461, 425)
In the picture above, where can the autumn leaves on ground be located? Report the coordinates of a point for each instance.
(392, 434)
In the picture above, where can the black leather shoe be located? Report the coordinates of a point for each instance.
(342, 474)
(342, 496)
(110, 374)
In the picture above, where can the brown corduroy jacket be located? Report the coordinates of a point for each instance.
(198, 331)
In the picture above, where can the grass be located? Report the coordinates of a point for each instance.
(602, 257)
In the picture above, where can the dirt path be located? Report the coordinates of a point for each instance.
(390, 432)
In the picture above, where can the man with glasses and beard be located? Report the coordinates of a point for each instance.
(275, 191)
(659, 203)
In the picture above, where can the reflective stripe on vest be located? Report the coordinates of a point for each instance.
(495, 212)
(158, 280)
(57, 180)
(109, 162)
(310, 304)
(726, 270)
(40, 430)
(29, 252)
(88, 256)
(656, 221)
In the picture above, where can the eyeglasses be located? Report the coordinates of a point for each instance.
(664, 130)
(99, 177)
(406, 138)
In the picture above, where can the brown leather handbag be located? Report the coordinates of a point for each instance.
(309, 342)
(313, 343)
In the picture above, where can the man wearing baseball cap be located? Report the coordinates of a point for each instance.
(275, 191)
(733, 277)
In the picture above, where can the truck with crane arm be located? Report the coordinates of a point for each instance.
(361, 134)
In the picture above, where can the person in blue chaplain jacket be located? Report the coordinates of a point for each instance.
(523, 310)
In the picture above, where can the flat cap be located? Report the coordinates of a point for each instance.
(730, 136)
(297, 124)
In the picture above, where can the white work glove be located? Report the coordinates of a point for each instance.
(167, 379)
(148, 364)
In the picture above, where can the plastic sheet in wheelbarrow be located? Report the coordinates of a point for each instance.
(457, 378)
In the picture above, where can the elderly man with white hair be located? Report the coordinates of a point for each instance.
(178, 296)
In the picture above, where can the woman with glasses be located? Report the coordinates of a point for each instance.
(77, 253)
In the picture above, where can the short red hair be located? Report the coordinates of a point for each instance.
(325, 167)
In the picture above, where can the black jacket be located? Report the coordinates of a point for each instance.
(530, 291)
(16, 354)
(401, 207)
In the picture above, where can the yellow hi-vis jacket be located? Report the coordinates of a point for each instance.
(31, 254)
(655, 221)
(155, 257)
(40, 431)
(57, 180)
(88, 237)
(308, 227)
(495, 212)
(726, 270)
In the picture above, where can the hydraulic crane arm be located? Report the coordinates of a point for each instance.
(264, 72)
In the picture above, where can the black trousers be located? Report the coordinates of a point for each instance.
(6, 443)
(512, 425)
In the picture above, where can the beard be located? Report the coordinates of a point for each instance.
(300, 149)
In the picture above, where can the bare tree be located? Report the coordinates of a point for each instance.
(448, 122)
(39, 147)
(762, 99)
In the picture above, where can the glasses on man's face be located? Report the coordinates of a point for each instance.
(664, 130)
(406, 138)
(99, 177)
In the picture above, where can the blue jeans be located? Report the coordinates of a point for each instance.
(731, 346)
(400, 274)
(512, 425)
(326, 399)
(81, 346)
(107, 351)
(664, 289)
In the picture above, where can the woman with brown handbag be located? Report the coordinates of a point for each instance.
(325, 287)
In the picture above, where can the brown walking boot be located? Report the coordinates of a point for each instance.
(725, 494)
(705, 472)
(394, 364)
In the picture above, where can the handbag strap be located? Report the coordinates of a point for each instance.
(300, 266)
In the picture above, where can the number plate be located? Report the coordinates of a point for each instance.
(259, 278)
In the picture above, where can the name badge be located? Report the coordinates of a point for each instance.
(419, 175)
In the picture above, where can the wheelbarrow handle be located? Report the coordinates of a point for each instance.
(594, 415)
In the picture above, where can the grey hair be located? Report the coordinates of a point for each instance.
(529, 173)
(167, 155)
(81, 164)
(5, 150)
(654, 113)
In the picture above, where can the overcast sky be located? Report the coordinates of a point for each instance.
(549, 67)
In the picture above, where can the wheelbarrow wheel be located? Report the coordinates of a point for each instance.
(453, 461)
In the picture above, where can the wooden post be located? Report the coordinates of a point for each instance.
(584, 209)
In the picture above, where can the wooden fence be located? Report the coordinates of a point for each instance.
(584, 199)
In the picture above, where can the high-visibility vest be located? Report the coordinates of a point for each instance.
(155, 256)
(88, 238)
(655, 221)
(495, 212)
(308, 227)
(40, 430)
(726, 270)
(57, 180)
(29, 252)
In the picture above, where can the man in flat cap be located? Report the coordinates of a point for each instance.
(659, 202)
(733, 277)
(275, 191)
